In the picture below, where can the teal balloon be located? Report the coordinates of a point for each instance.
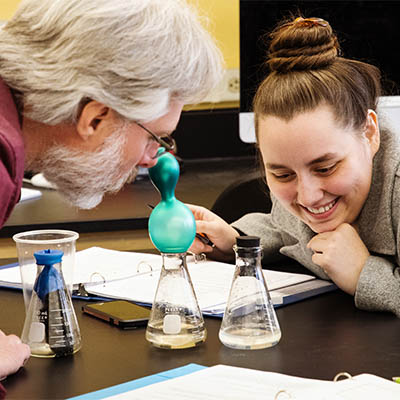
(172, 227)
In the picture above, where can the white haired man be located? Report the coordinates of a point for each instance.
(89, 89)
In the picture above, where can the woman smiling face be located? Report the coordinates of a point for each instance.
(319, 170)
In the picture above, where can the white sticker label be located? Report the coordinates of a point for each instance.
(172, 324)
(37, 332)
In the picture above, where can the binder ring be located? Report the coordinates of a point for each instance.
(340, 375)
(197, 257)
(101, 276)
(144, 263)
(285, 393)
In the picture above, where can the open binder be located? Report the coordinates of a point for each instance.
(224, 382)
(111, 274)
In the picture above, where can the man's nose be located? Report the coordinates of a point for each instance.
(149, 159)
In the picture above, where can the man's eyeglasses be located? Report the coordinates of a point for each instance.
(167, 141)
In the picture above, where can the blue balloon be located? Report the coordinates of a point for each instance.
(49, 279)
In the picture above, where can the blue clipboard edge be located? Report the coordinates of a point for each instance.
(306, 290)
(141, 382)
(9, 265)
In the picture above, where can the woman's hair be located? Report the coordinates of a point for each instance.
(306, 70)
(134, 56)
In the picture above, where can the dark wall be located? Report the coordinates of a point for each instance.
(210, 134)
(367, 30)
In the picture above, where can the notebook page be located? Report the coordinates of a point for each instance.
(211, 281)
(229, 383)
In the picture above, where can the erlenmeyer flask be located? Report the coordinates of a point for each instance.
(51, 328)
(176, 321)
(249, 320)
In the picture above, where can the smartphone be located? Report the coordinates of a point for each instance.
(122, 313)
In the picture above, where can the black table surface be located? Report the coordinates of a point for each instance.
(321, 336)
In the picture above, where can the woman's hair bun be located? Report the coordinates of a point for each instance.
(302, 44)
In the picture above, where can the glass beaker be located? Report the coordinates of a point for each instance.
(29, 242)
(249, 320)
(176, 321)
(51, 328)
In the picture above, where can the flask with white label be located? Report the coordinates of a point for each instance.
(51, 328)
(176, 321)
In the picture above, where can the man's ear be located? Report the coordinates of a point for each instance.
(91, 116)
(372, 133)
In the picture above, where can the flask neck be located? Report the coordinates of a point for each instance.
(172, 261)
(248, 255)
(57, 266)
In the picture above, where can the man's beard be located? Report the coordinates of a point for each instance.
(84, 177)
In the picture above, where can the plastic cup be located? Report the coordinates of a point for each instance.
(29, 242)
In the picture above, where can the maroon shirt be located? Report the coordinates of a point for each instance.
(11, 154)
(11, 160)
(3, 392)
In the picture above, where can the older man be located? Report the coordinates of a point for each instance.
(88, 91)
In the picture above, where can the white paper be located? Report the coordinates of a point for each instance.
(211, 281)
(366, 387)
(103, 265)
(96, 265)
(29, 194)
(134, 276)
(223, 382)
(10, 277)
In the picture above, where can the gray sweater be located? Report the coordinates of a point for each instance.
(378, 287)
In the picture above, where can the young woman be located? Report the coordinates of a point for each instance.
(333, 174)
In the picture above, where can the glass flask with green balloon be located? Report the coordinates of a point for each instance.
(176, 321)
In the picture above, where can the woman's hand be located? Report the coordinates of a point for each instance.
(218, 231)
(341, 254)
(13, 354)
